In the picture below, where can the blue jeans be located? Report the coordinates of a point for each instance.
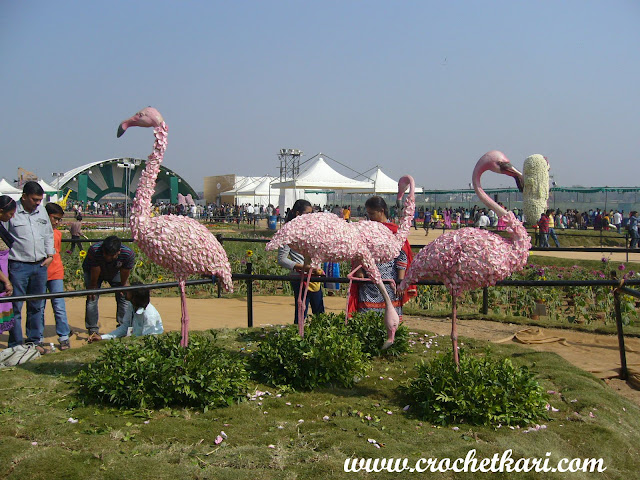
(552, 232)
(27, 279)
(91, 315)
(59, 310)
(634, 239)
(313, 298)
(544, 239)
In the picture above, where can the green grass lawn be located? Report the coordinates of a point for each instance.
(301, 435)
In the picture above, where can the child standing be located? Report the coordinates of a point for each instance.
(55, 278)
(143, 318)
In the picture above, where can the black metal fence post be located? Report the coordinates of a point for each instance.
(249, 296)
(485, 300)
(624, 374)
(220, 239)
(626, 245)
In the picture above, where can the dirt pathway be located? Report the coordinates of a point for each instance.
(594, 353)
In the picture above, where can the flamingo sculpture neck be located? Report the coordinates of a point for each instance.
(410, 205)
(497, 162)
(141, 205)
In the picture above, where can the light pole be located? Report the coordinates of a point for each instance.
(128, 166)
(58, 176)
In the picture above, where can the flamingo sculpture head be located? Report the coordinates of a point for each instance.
(496, 162)
(147, 117)
(404, 183)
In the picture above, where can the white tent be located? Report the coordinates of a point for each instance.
(382, 183)
(6, 188)
(259, 193)
(242, 191)
(320, 176)
(241, 184)
(314, 183)
(48, 189)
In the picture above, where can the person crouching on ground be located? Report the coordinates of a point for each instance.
(106, 261)
(143, 318)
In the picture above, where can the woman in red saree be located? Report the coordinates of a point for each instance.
(365, 297)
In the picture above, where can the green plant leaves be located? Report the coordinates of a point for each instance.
(154, 371)
(481, 391)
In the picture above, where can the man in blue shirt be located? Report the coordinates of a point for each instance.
(107, 261)
(30, 255)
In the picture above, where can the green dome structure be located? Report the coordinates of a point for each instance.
(95, 180)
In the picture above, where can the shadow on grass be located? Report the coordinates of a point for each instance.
(253, 335)
(54, 367)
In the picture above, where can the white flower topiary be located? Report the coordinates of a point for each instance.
(535, 193)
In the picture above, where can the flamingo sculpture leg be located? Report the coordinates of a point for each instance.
(454, 328)
(302, 299)
(177, 243)
(472, 258)
(184, 317)
(391, 318)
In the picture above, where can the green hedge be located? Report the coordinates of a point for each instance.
(154, 371)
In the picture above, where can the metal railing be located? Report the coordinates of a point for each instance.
(619, 287)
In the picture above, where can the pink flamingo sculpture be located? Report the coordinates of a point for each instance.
(178, 243)
(471, 258)
(324, 237)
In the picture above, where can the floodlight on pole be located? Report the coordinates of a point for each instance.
(289, 163)
(58, 176)
(128, 165)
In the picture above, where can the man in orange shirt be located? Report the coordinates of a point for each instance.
(55, 278)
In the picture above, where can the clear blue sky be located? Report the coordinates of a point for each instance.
(419, 87)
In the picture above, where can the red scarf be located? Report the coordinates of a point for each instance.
(411, 292)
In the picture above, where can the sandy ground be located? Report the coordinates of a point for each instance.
(594, 353)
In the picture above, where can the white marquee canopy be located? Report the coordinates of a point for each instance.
(6, 188)
(320, 176)
(382, 183)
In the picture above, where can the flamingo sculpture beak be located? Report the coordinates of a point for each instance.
(508, 169)
(121, 129)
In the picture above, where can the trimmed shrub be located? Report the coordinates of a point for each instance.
(327, 354)
(154, 371)
(483, 391)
